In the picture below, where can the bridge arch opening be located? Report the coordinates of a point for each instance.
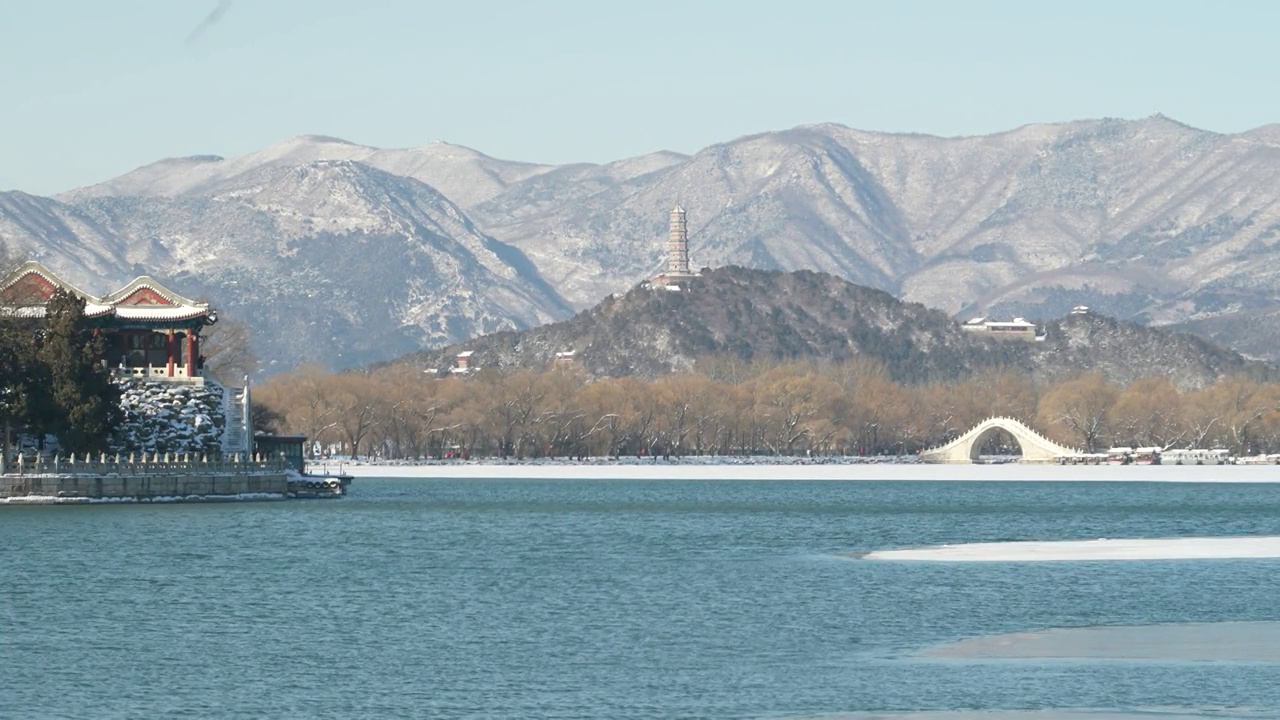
(997, 444)
(998, 436)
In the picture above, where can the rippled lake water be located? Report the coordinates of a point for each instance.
(613, 599)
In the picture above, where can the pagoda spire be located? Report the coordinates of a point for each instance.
(677, 242)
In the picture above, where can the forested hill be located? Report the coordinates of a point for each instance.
(1125, 351)
(804, 315)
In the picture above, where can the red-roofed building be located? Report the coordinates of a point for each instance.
(150, 331)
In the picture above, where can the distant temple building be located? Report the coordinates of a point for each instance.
(150, 331)
(1015, 329)
(462, 362)
(677, 250)
(152, 335)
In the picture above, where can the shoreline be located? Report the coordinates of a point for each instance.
(848, 472)
(131, 500)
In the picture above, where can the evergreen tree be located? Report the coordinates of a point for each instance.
(23, 392)
(17, 363)
(86, 402)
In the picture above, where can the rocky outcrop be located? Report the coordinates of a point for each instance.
(161, 417)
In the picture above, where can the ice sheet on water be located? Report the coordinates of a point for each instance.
(1065, 714)
(1186, 548)
(1221, 641)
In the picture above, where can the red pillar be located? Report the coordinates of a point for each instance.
(191, 354)
(170, 349)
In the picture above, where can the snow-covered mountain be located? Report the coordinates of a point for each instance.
(471, 176)
(1146, 219)
(329, 261)
(65, 238)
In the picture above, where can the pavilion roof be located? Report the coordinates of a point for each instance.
(26, 292)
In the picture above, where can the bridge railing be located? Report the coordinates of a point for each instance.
(1004, 419)
(144, 463)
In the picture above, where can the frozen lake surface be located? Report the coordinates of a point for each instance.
(1199, 642)
(1186, 548)
(1082, 714)
(646, 599)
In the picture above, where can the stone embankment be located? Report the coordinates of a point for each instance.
(157, 480)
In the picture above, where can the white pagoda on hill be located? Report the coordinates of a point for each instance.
(677, 250)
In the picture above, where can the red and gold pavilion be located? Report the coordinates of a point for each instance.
(150, 331)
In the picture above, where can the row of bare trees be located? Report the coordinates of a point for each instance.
(731, 407)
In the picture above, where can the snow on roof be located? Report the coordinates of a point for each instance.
(148, 291)
(33, 268)
(141, 299)
(160, 313)
(466, 353)
(976, 321)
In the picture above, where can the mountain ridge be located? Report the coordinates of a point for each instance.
(1151, 220)
(276, 251)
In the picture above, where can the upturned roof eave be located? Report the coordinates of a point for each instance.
(96, 307)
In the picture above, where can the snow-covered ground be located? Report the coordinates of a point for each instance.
(1066, 714)
(744, 469)
(1202, 642)
(1182, 548)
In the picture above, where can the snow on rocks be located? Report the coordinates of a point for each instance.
(161, 417)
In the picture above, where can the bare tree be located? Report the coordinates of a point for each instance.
(1079, 407)
(305, 398)
(227, 346)
(356, 408)
(847, 408)
(1202, 416)
(1149, 412)
(1243, 404)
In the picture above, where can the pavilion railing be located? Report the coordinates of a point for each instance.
(157, 372)
(145, 464)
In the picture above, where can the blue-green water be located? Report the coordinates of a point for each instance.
(607, 599)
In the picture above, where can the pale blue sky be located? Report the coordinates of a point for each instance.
(93, 88)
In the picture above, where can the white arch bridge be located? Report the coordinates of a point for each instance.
(1036, 448)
